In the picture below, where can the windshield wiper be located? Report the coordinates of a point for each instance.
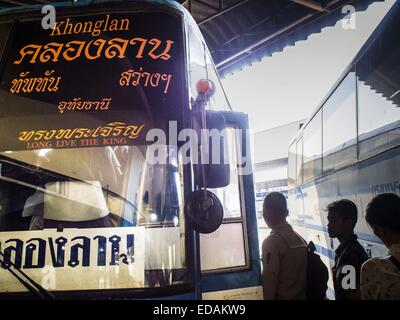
(33, 287)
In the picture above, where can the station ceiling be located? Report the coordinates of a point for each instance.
(239, 32)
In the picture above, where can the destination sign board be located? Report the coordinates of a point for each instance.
(91, 81)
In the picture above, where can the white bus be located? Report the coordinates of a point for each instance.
(350, 146)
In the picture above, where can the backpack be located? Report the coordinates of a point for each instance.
(317, 275)
(395, 262)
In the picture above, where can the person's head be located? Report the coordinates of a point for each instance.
(342, 218)
(275, 209)
(383, 215)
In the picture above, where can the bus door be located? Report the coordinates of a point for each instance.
(230, 262)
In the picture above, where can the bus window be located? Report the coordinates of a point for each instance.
(197, 61)
(312, 149)
(339, 126)
(226, 247)
(379, 94)
(218, 101)
(202, 67)
(229, 195)
(379, 121)
(299, 161)
(292, 166)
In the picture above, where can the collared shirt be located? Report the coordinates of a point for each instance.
(349, 253)
(380, 278)
(284, 256)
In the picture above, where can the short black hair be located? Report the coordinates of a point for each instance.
(276, 202)
(384, 211)
(344, 208)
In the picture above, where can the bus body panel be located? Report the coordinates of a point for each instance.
(357, 183)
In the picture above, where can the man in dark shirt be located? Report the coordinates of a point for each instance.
(350, 255)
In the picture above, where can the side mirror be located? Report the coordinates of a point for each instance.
(204, 211)
(212, 167)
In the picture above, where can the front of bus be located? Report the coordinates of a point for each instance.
(91, 180)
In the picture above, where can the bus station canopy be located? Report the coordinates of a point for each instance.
(240, 32)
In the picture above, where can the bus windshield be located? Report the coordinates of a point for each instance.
(83, 204)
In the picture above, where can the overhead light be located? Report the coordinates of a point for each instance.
(394, 94)
(311, 4)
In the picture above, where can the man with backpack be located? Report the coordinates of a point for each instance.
(285, 257)
(350, 255)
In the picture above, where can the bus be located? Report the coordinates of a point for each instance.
(350, 146)
(100, 195)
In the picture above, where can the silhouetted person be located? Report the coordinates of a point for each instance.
(284, 254)
(380, 277)
(350, 255)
